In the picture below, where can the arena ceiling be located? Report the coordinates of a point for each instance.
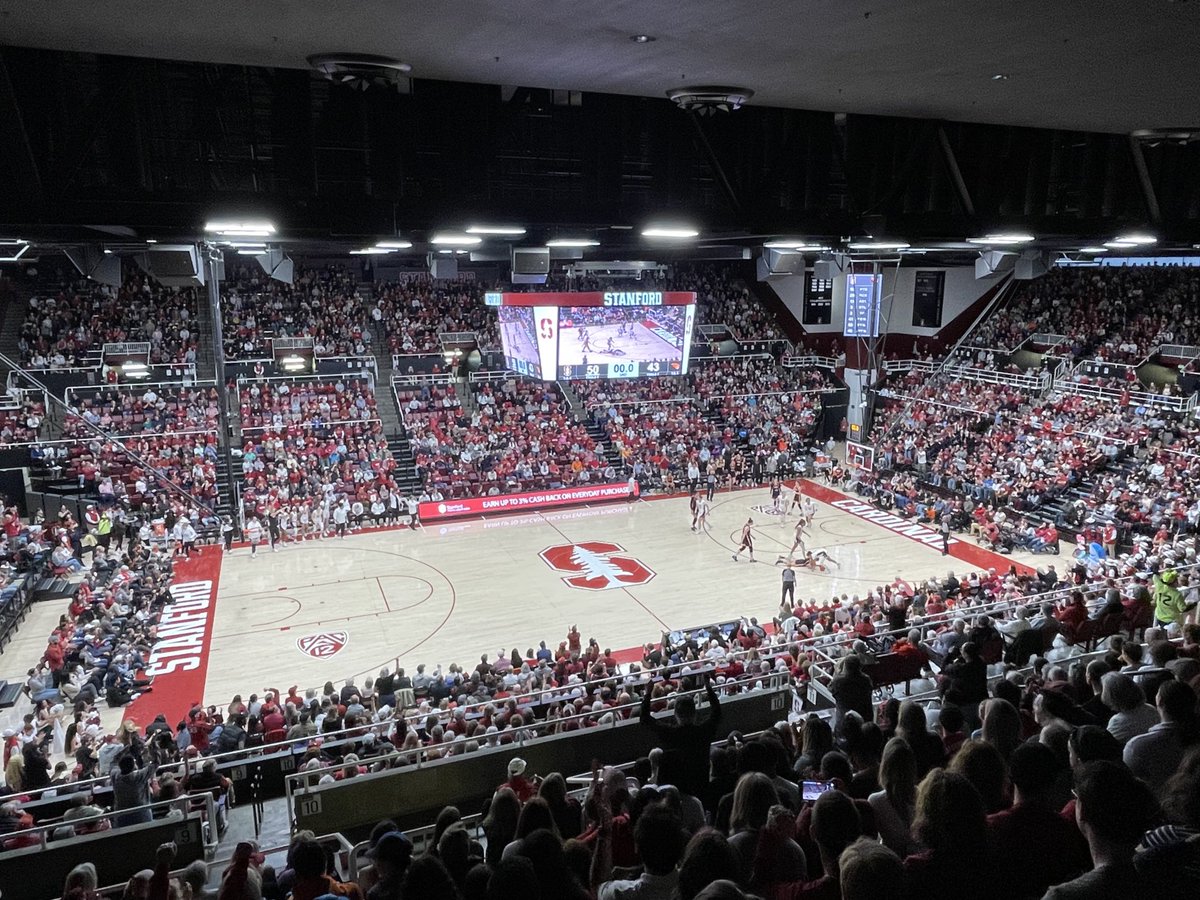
(1087, 65)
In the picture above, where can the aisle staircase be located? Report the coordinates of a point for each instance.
(206, 363)
(15, 302)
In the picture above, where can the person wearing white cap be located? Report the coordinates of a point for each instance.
(523, 787)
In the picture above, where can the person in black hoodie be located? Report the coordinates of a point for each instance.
(965, 680)
(686, 735)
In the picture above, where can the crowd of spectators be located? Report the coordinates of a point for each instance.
(1003, 445)
(98, 651)
(763, 402)
(951, 796)
(154, 409)
(519, 435)
(322, 304)
(67, 327)
(722, 299)
(310, 442)
(410, 314)
(1117, 314)
(21, 417)
(746, 405)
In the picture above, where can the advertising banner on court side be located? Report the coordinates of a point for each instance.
(503, 503)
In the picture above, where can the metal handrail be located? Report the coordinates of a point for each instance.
(807, 361)
(1185, 352)
(417, 756)
(131, 387)
(182, 802)
(295, 424)
(1175, 402)
(985, 413)
(344, 844)
(706, 361)
(970, 373)
(637, 402)
(364, 373)
(421, 378)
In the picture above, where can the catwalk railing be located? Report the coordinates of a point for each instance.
(1038, 383)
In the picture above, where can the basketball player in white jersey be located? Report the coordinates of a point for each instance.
(747, 541)
(702, 508)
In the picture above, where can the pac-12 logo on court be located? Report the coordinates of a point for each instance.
(596, 566)
(323, 645)
(767, 510)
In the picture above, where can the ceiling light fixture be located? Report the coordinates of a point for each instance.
(878, 245)
(1120, 245)
(12, 249)
(151, 241)
(1093, 249)
(797, 246)
(450, 239)
(247, 245)
(1136, 239)
(252, 252)
(394, 244)
(710, 99)
(670, 232)
(573, 242)
(496, 229)
(999, 76)
(361, 71)
(642, 38)
(1002, 238)
(250, 228)
(371, 251)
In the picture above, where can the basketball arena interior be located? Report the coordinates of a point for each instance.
(491, 450)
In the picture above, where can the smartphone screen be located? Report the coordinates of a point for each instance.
(811, 790)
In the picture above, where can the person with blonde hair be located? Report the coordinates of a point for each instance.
(870, 871)
(895, 805)
(951, 826)
(1001, 726)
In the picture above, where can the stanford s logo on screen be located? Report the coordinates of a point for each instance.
(596, 566)
(323, 645)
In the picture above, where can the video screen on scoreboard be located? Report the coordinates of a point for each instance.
(623, 341)
(518, 338)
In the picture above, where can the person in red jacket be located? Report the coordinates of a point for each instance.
(523, 787)
(54, 658)
(1074, 612)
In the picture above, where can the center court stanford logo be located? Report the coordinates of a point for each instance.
(597, 566)
(323, 645)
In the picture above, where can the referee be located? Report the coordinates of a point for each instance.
(789, 585)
